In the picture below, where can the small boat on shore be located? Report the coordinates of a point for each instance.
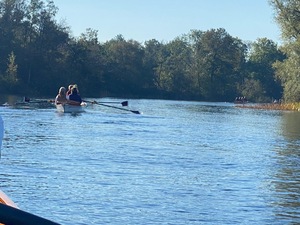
(240, 100)
(70, 108)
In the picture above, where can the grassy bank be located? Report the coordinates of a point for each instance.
(273, 106)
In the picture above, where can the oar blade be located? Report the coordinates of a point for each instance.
(136, 112)
(125, 103)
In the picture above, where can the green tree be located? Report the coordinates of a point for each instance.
(288, 73)
(263, 54)
(9, 82)
(124, 66)
(86, 63)
(152, 59)
(45, 47)
(254, 90)
(219, 63)
(288, 17)
(173, 74)
(12, 69)
(12, 14)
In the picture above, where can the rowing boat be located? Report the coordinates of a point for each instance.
(68, 108)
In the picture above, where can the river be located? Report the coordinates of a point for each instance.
(178, 162)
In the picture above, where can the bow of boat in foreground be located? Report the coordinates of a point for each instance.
(4, 199)
(11, 214)
(68, 108)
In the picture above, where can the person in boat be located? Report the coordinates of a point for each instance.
(61, 96)
(74, 97)
(69, 90)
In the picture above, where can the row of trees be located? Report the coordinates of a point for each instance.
(38, 55)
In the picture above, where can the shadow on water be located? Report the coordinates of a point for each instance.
(287, 175)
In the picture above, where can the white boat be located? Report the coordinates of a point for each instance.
(67, 108)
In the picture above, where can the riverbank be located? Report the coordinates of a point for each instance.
(273, 106)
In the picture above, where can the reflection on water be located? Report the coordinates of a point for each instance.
(291, 126)
(287, 175)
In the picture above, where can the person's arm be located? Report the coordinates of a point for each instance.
(60, 100)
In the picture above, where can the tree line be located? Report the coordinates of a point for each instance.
(38, 55)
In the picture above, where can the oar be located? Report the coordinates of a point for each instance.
(35, 102)
(98, 103)
(125, 103)
(28, 100)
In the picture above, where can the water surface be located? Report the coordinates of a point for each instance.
(177, 163)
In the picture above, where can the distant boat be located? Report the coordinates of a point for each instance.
(68, 108)
(240, 100)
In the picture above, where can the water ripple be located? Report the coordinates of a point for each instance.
(177, 163)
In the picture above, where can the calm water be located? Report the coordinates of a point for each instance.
(177, 163)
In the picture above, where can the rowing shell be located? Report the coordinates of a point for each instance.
(67, 108)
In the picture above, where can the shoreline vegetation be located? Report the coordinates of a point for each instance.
(39, 54)
(272, 106)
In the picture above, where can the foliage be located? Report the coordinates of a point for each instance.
(288, 72)
(262, 55)
(38, 55)
(12, 68)
(218, 62)
(254, 90)
(288, 17)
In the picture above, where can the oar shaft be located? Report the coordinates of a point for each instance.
(125, 103)
(28, 100)
(110, 106)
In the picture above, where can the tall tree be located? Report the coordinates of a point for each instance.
(125, 66)
(12, 14)
(46, 44)
(219, 60)
(173, 74)
(86, 63)
(152, 59)
(263, 54)
(288, 17)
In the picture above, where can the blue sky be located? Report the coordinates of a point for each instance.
(164, 20)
